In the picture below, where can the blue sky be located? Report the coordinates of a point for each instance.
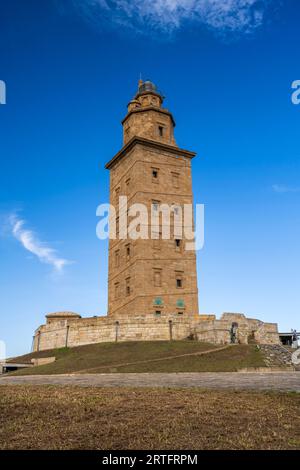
(226, 69)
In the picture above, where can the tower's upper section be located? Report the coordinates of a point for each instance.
(147, 118)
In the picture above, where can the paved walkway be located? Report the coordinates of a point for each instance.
(283, 381)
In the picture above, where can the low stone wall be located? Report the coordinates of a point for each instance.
(78, 331)
(42, 361)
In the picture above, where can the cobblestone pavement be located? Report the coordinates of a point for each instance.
(283, 381)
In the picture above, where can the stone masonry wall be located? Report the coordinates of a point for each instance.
(81, 331)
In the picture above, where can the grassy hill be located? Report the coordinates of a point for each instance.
(149, 356)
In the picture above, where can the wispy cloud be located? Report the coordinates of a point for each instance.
(222, 16)
(30, 241)
(281, 188)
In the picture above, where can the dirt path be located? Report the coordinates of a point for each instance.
(282, 381)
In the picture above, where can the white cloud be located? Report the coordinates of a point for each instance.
(222, 16)
(31, 243)
(281, 188)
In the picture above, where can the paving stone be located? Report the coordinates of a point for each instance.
(281, 381)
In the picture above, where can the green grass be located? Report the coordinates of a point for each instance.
(128, 357)
(228, 360)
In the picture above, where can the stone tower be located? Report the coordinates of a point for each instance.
(152, 280)
(152, 276)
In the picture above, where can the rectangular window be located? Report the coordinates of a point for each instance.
(157, 277)
(155, 206)
(117, 290)
(176, 209)
(117, 258)
(161, 131)
(128, 252)
(117, 195)
(178, 245)
(158, 313)
(127, 283)
(179, 280)
(155, 174)
(179, 313)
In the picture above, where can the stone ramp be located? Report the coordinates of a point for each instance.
(276, 381)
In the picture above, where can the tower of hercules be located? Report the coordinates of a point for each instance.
(152, 279)
(151, 276)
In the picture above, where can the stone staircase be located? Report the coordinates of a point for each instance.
(277, 356)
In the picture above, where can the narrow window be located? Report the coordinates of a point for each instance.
(161, 131)
(155, 206)
(178, 244)
(127, 183)
(157, 277)
(155, 174)
(117, 226)
(117, 290)
(128, 290)
(176, 209)
(117, 258)
(179, 280)
(128, 252)
(180, 313)
(117, 194)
